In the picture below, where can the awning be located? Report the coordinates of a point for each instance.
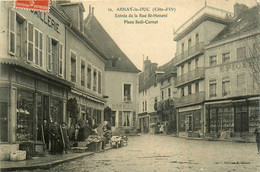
(22, 64)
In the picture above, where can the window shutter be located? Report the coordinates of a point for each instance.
(120, 119)
(48, 47)
(12, 27)
(134, 119)
(30, 42)
(40, 49)
(60, 60)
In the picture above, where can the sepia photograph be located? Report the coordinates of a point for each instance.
(130, 85)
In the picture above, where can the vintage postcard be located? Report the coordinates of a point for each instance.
(136, 86)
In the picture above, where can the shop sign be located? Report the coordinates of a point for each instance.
(190, 108)
(48, 20)
(232, 66)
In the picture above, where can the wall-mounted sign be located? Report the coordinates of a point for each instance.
(232, 66)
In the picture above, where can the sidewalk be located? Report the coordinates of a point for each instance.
(43, 162)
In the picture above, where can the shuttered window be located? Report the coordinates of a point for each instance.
(48, 47)
(241, 83)
(99, 82)
(73, 67)
(30, 42)
(12, 30)
(89, 77)
(60, 59)
(38, 47)
(241, 53)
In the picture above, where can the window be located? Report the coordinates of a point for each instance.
(95, 80)
(241, 53)
(73, 67)
(99, 82)
(12, 23)
(196, 63)
(162, 95)
(124, 118)
(30, 42)
(241, 83)
(197, 38)
(20, 35)
(197, 87)
(82, 73)
(189, 89)
(169, 92)
(189, 43)
(212, 88)
(225, 57)
(182, 69)
(225, 86)
(60, 59)
(38, 47)
(212, 60)
(182, 91)
(127, 92)
(145, 106)
(182, 47)
(48, 47)
(189, 66)
(54, 55)
(89, 77)
(134, 119)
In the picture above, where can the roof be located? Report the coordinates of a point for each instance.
(244, 23)
(168, 68)
(95, 31)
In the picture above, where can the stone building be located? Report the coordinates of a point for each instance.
(191, 39)
(121, 79)
(42, 68)
(231, 90)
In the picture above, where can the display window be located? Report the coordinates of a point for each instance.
(56, 111)
(25, 114)
(254, 116)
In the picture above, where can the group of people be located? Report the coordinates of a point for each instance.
(55, 136)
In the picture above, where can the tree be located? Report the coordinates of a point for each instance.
(254, 59)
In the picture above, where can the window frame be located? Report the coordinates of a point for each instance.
(82, 62)
(224, 81)
(28, 42)
(73, 52)
(224, 59)
(131, 91)
(210, 60)
(34, 37)
(12, 11)
(213, 82)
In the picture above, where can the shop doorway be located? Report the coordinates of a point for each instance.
(241, 119)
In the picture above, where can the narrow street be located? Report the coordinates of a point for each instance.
(165, 153)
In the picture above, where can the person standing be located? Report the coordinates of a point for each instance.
(46, 133)
(257, 138)
(65, 137)
(55, 138)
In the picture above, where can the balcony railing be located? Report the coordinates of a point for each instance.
(199, 47)
(205, 10)
(192, 75)
(190, 99)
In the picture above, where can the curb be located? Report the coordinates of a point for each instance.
(47, 165)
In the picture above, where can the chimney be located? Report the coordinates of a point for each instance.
(92, 10)
(239, 8)
(89, 9)
(154, 66)
(147, 68)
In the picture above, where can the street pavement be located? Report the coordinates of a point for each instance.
(152, 153)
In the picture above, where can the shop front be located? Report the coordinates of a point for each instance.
(190, 121)
(28, 98)
(237, 118)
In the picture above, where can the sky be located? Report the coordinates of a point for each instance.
(153, 40)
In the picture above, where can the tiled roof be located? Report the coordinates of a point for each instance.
(95, 30)
(244, 23)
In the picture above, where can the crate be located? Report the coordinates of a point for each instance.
(18, 156)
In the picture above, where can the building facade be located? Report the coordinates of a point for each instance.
(43, 56)
(191, 39)
(231, 90)
(121, 80)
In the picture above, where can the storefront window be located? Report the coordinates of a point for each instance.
(196, 120)
(56, 111)
(4, 92)
(182, 122)
(39, 116)
(25, 116)
(254, 116)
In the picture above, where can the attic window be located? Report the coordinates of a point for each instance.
(113, 62)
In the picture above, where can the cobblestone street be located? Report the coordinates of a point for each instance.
(163, 153)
